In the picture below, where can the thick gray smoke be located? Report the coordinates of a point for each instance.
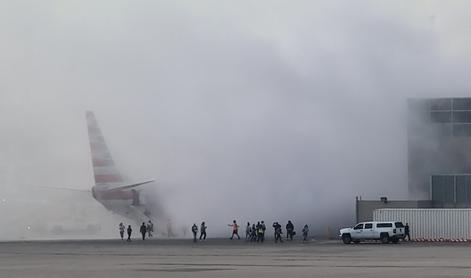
(243, 110)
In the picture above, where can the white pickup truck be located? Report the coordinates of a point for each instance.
(386, 231)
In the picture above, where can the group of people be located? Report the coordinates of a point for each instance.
(253, 233)
(144, 229)
(256, 232)
(194, 230)
(290, 232)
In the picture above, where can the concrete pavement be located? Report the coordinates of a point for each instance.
(226, 258)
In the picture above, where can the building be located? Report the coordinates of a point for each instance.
(439, 157)
(439, 151)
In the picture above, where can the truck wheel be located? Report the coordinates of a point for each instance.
(384, 238)
(346, 238)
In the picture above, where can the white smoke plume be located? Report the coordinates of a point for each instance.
(242, 110)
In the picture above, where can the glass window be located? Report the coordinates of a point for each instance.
(443, 188)
(440, 117)
(461, 130)
(384, 225)
(399, 225)
(369, 226)
(462, 117)
(358, 227)
(440, 104)
(462, 104)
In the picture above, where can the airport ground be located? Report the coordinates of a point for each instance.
(226, 258)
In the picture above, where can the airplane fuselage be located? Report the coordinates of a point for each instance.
(115, 198)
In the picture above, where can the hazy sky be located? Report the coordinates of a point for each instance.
(242, 109)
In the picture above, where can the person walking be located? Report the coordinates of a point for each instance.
(258, 231)
(121, 230)
(253, 233)
(129, 232)
(235, 229)
(203, 231)
(261, 232)
(275, 224)
(278, 232)
(150, 229)
(289, 230)
(143, 230)
(194, 230)
(247, 231)
(407, 232)
(305, 232)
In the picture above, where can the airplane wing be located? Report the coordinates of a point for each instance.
(111, 189)
(68, 189)
(130, 185)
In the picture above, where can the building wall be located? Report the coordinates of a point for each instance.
(433, 224)
(364, 209)
(439, 141)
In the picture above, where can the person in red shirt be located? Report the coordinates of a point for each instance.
(235, 229)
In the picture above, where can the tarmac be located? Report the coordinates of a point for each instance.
(231, 258)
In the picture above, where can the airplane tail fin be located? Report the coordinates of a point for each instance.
(104, 168)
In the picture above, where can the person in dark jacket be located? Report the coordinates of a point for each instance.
(194, 230)
(407, 232)
(247, 231)
(121, 228)
(143, 230)
(277, 228)
(253, 233)
(129, 232)
(203, 231)
(289, 230)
